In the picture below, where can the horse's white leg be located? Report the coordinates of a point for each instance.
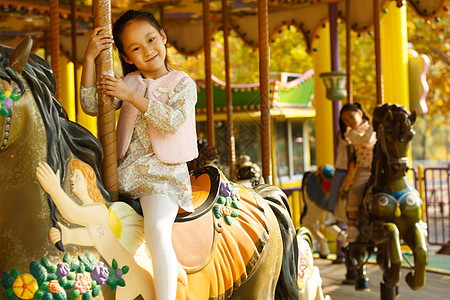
(310, 221)
(337, 232)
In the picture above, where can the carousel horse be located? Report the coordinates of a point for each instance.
(33, 127)
(315, 190)
(391, 211)
(239, 245)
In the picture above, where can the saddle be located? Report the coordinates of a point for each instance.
(225, 234)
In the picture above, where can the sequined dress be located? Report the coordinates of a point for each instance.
(140, 172)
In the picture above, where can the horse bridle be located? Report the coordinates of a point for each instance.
(6, 130)
(14, 96)
(382, 139)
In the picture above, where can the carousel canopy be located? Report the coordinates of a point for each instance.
(183, 21)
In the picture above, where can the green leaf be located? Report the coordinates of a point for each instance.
(52, 276)
(112, 279)
(96, 291)
(71, 276)
(47, 296)
(73, 294)
(218, 213)
(82, 268)
(15, 96)
(8, 292)
(87, 264)
(234, 205)
(13, 297)
(7, 280)
(44, 286)
(69, 284)
(93, 284)
(74, 265)
(114, 264)
(15, 273)
(228, 220)
(63, 282)
(125, 269)
(67, 258)
(45, 262)
(39, 294)
(234, 214)
(121, 282)
(52, 268)
(61, 295)
(90, 257)
(221, 200)
(38, 271)
(86, 296)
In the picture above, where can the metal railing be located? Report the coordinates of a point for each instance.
(437, 195)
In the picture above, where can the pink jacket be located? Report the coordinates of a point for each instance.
(174, 148)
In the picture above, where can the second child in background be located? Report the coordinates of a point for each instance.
(356, 128)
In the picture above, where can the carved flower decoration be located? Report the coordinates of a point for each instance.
(25, 286)
(6, 101)
(82, 282)
(54, 286)
(100, 273)
(226, 205)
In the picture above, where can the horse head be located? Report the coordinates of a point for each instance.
(394, 126)
(12, 121)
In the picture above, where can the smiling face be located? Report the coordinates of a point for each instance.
(352, 118)
(144, 46)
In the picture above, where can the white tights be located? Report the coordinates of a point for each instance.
(160, 212)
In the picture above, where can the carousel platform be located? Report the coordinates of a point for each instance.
(436, 287)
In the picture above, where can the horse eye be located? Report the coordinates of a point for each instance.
(410, 200)
(383, 201)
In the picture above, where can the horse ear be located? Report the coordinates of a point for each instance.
(412, 116)
(391, 116)
(19, 57)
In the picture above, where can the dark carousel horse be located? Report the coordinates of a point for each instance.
(392, 209)
(33, 128)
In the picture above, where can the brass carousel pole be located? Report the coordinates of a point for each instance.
(263, 41)
(54, 41)
(228, 96)
(376, 26)
(348, 41)
(208, 79)
(106, 118)
(74, 54)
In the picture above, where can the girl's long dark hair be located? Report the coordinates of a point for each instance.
(351, 107)
(121, 24)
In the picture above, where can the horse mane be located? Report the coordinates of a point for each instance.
(65, 138)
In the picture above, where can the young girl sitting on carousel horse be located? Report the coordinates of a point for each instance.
(356, 130)
(156, 133)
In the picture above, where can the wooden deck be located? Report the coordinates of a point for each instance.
(437, 285)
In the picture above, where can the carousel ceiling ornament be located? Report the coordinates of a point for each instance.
(182, 19)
